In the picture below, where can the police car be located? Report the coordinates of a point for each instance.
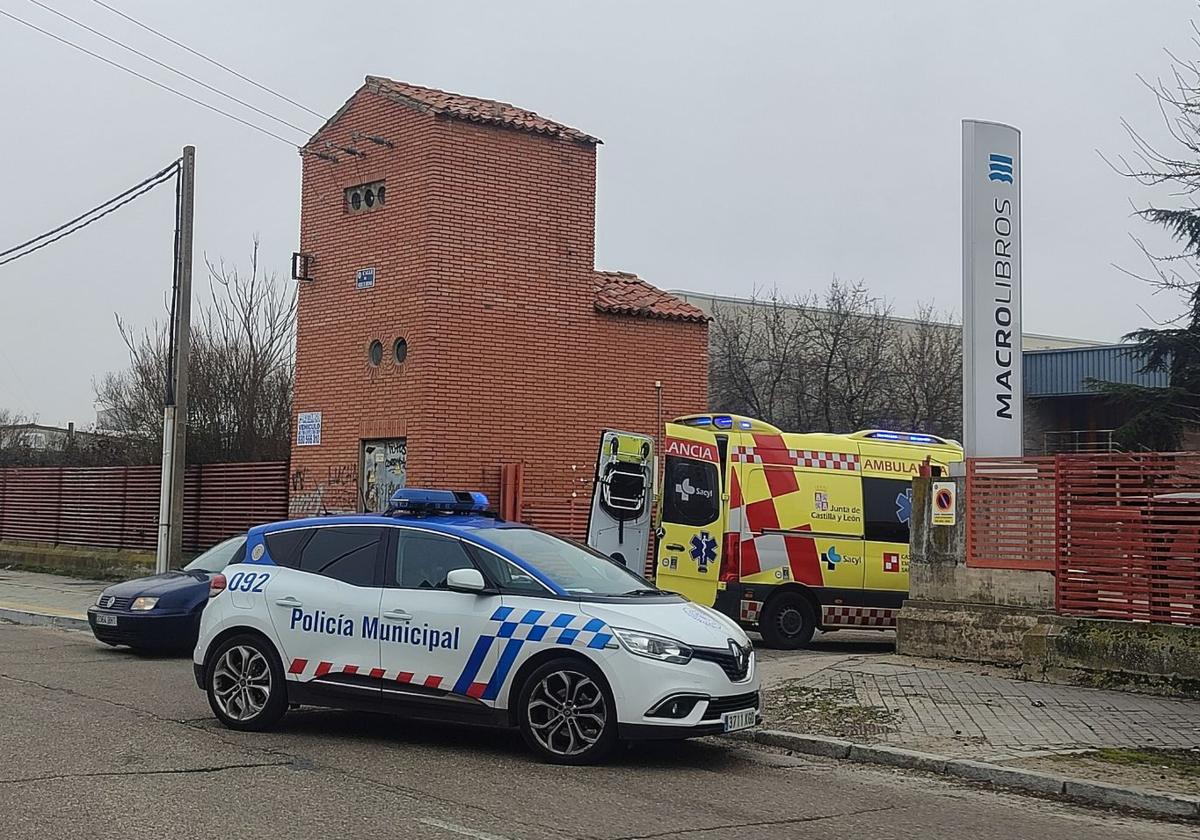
(438, 610)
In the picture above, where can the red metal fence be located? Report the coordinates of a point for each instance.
(1129, 537)
(1120, 531)
(117, 507)
(566, 516)
(1011, 519)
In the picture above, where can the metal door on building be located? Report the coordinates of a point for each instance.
(384, 468)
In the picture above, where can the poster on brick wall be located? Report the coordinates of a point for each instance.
(308, 428)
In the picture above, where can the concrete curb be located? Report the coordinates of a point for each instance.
(66, 622)
(1159, 803)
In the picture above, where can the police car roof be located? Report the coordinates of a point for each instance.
(445, 522)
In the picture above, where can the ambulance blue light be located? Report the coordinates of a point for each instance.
(723, 421)
(417, 500)
(698, 421)
(911, 438)
(745, 424)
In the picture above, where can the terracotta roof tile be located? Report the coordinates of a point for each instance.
(473, 109)
(622, 293)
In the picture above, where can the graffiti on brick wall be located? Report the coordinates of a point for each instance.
(316, 493)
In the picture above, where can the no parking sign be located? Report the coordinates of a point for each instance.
(944, 502)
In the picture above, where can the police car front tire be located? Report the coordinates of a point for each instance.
(245, 684)
(788, 621)
(566, 712)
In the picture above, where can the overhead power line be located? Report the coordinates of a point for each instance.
(211, 61)
(146, 78)
(95, 214)
(171, 69)
(169, 168)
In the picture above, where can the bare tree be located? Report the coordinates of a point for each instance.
(14, 444)
(926, 382)
(850, 341)
(752, 356)
(1159, 418)
(240, 373)
(838, 361)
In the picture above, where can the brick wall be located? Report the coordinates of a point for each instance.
(484, 264)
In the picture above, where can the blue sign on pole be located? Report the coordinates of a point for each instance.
(365, 279)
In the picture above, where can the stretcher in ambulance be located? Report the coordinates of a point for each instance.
(790, 533)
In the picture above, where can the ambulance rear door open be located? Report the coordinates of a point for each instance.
(693, 514)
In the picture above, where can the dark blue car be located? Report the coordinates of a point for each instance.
(162, 612)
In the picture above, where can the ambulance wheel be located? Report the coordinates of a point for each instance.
(788, 621)
(245, 684)
(566, 712)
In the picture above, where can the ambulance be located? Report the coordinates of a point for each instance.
(790, 533)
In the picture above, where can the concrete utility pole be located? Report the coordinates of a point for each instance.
(175, 412)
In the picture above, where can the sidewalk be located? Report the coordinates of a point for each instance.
(850, 689)
(58, 599)
(962, 710)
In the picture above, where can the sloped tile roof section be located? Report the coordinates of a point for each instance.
(622, 293)
(473, 109)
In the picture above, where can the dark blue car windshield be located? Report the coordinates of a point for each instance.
(219, 556)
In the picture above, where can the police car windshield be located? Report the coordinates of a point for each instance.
(575, 568)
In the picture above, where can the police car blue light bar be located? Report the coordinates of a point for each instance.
(417, 500)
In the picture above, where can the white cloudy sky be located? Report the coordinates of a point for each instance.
(747, 144)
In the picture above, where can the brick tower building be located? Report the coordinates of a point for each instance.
(453, 321)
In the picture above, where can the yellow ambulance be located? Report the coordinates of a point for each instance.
(790, 533)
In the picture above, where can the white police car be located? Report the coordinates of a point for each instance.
(440, 611)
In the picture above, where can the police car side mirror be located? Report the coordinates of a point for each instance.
(465, 580)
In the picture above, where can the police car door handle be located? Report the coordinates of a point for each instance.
(289, 601)
(397, 615)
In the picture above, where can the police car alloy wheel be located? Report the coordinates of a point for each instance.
(787, 621)
(566, 712)
(245, 684)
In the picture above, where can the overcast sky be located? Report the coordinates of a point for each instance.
(746, 145)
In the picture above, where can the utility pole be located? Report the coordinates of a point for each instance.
(175, 412)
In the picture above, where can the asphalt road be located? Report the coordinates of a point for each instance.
(97, 743)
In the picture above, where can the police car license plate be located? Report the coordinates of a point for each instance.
(734, 721)
(111, 621)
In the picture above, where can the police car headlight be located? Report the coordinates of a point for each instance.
(654, 647)
(143, 603)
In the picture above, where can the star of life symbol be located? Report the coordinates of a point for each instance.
(703, 550)
(904, 505)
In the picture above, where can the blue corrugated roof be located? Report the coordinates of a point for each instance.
(1061, 373)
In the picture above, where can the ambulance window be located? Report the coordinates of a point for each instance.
(691, 492)
(350, 555)
(424, 560)
(887, 505)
